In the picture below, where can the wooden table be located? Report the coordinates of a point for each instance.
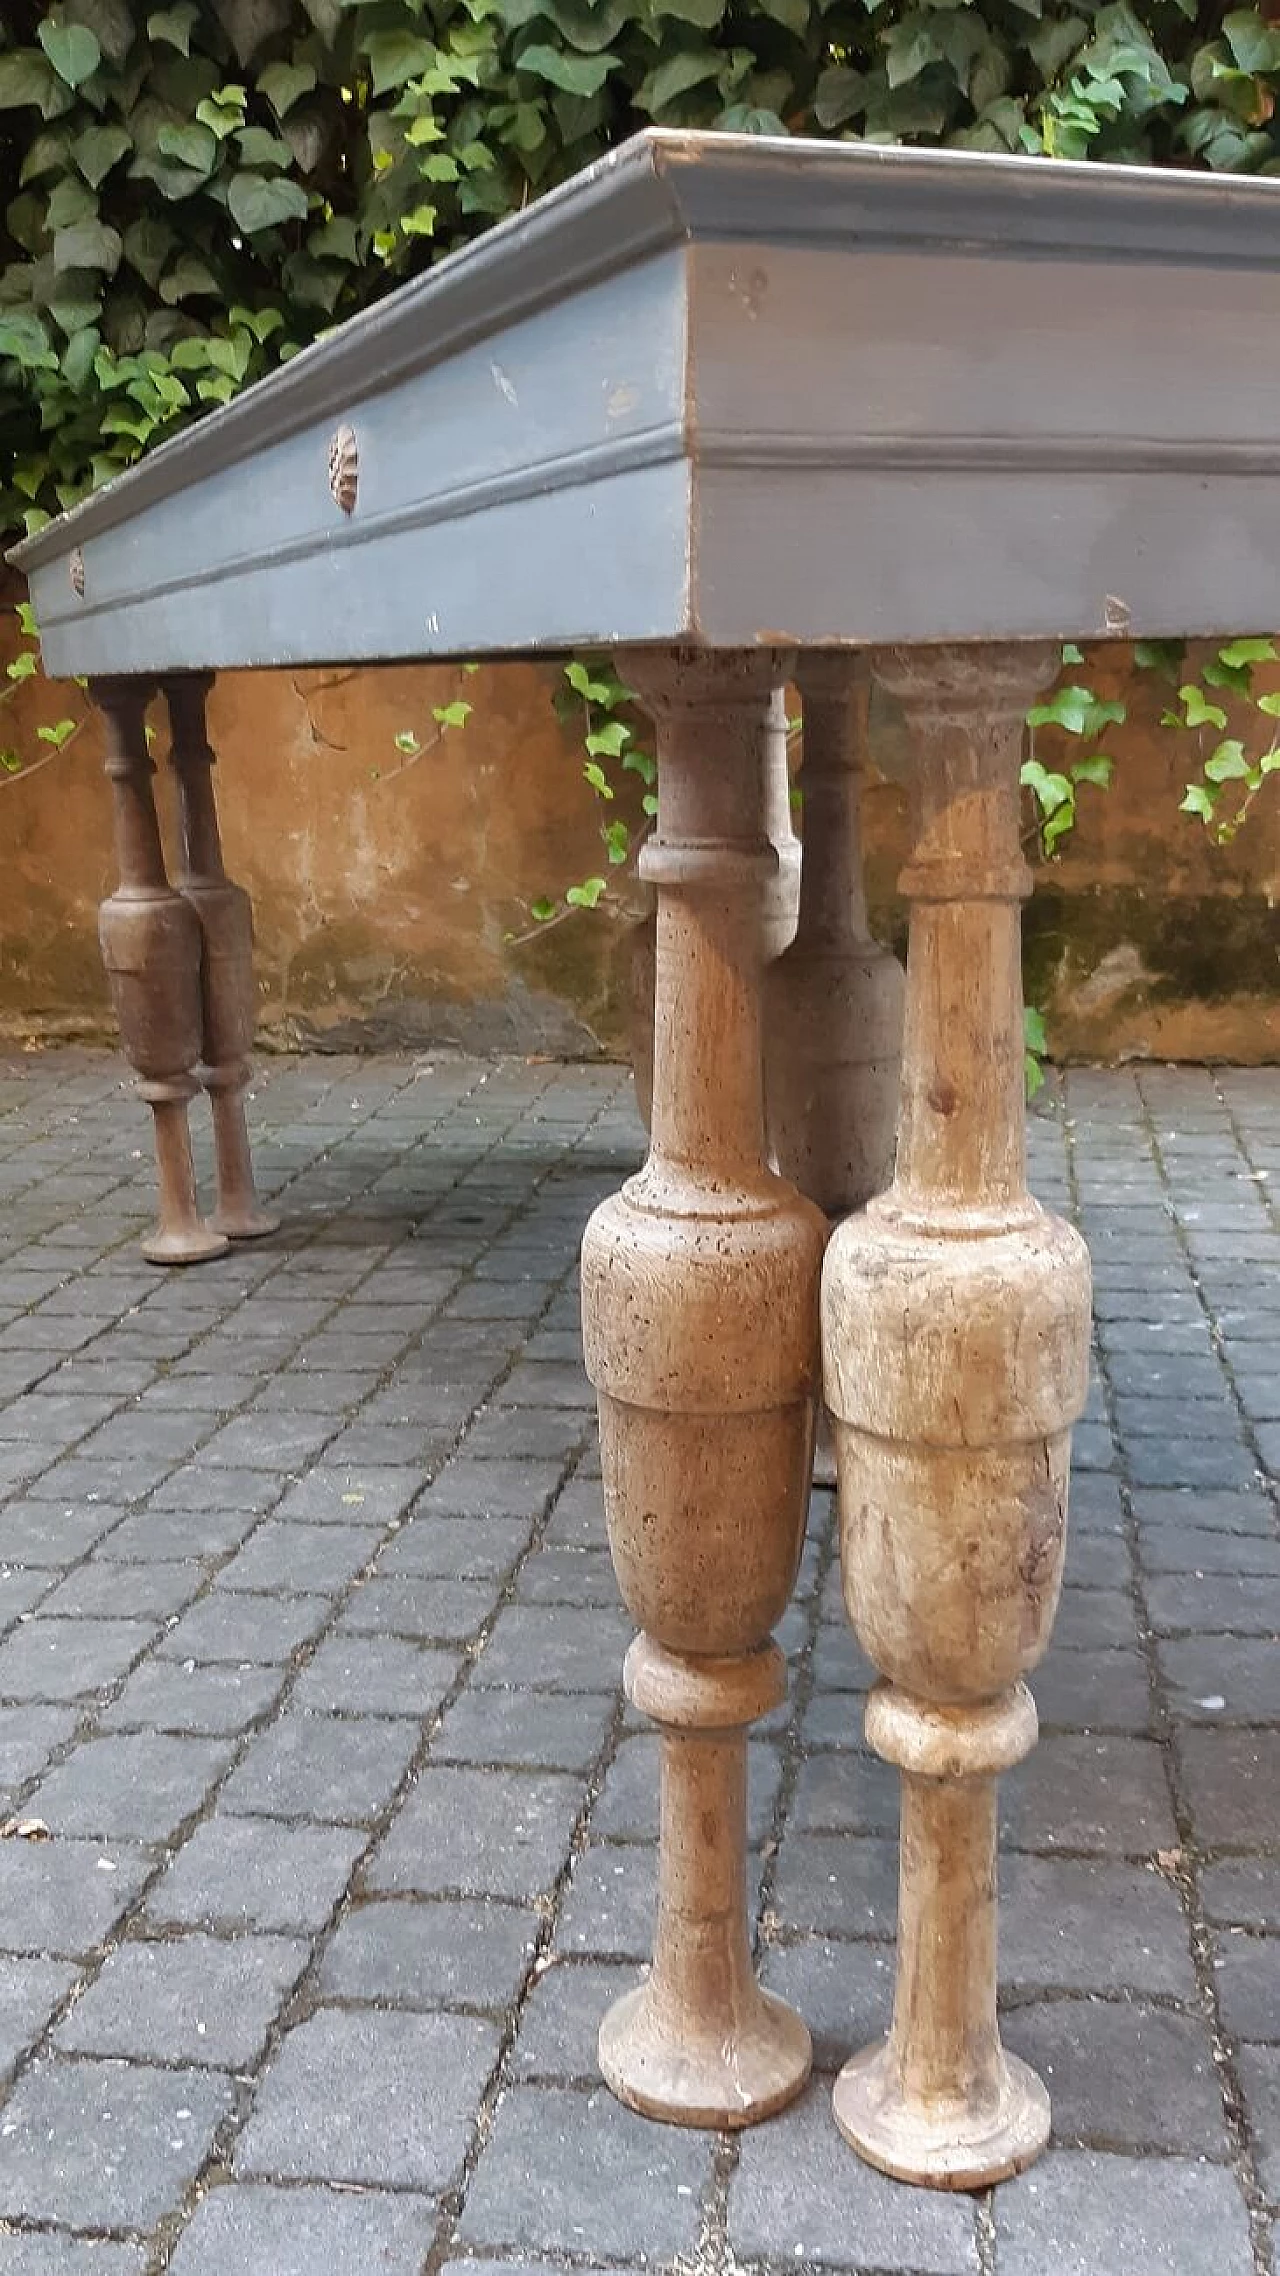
(741, 409)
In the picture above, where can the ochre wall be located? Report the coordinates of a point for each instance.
(391, 896)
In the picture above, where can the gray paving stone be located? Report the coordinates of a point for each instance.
(138, 1785)
(1080, 2212)
(436, 1611)
(608, 1907)
(62, 1898)
(204, 1491)
(141, 1592)
(306, 2231)
(341, 1495)
(1242, 1892)
(1088, 1925)
(843, 1990)
(1221, 1603)
(377, 1675)
(470, 1488)
(153, 1536)
(539, 1730)
(1189, 1549)
(341, 1769)
(1215, 1679)
(49, 2254)
(30, 1990)
(370, 2098)
(849, 1792)
(1247, 1975)
(1098, 1793)
(182, 1695)
(1260, 2077)
(1233, 1784)
(1104, 1690)
(577, 2171)
(195, 1999)
(1122, 2075)
(537, 1647)
(106, 2145)
(280, 1555)
(238, 1873)
(443, 1953)
(483, 1833)
(1218, 1512)
(800, 2196)
(837, 1885)
(69, 1659)
(455, 1548)
(28, 1736)
(228, 1625)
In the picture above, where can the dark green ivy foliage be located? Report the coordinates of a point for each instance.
(192, 192)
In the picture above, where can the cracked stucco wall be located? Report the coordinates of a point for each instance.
(391, 894)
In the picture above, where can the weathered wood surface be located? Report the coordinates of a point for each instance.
(700, 1320)
(956, 1342)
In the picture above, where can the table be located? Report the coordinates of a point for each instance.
(740, 408)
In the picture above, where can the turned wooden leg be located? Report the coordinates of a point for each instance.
(955, 1327)
(833, 999)
(779, 907)
(151, 949)
(700, 1284)
(226, 971)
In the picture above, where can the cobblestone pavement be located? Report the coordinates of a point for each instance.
(309, 1659)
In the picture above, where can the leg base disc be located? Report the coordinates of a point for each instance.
(731, 2077)
(194, 1247)
(244, 1224)
(940, 2148)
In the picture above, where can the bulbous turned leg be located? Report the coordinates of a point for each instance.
(151, 950)
(955, 1328)
(833, 999)
(226, 927)
(699, 2041)
(699, 1318)
(778, 909)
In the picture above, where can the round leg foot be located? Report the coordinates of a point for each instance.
(940, 2146)
(194, 1246)
(704, 2077)
(244, 1224)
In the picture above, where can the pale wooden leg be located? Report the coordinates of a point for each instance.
(833, 1000)
(779, 907)
(955, 1329)
(226, 926)
(700, 1288)
(151, 950)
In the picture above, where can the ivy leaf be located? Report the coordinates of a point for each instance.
(1228, 763)
(1270, 704)
(174, 25)
(264, 201)
(98, 149)
(617, 841)
(1098, 768)
(191, 146)
(1239, 652)
(705, 13)
(793, 13)
(284, 83)
(78, 361)
(1197, 800)
(586, 895)
(190, 276)
(1163, 656)
(579, 677)
(88, 245)
(609, 741)
(576, 74)
(58, 733)
(23, 667)
(451, 714)
(1199, 711)
(675, 77)
(72, 49)
(26, 78)
(395, 56)
(1052, 792)
(542, 910)
(598, 779)
(1253, 44)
